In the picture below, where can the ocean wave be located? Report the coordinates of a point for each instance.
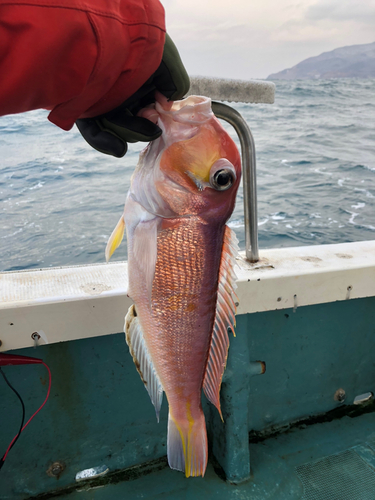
(315, 161)
(365, 191)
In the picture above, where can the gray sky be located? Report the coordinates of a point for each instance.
(253, 38)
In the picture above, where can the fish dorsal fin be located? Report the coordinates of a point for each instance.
(142, 359)
(115, 239)
(224, 319)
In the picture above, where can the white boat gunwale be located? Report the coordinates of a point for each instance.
(69, 303)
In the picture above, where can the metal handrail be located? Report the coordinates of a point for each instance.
(233, 117)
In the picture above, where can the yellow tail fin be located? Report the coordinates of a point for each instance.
(187, 446)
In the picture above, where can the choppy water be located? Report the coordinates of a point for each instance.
(59, 199)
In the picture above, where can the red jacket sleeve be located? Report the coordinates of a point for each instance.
(78, 58)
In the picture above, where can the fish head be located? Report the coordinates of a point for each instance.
(194, 168)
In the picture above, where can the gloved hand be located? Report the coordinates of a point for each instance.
(109, 133)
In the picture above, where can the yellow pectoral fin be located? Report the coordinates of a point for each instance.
(115, 239)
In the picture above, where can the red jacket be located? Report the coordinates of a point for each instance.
(78, 58)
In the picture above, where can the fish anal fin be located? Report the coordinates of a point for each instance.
(142, 359)
(224, 319)
(115, 239)
(187, 446)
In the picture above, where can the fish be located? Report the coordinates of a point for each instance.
(181, 260)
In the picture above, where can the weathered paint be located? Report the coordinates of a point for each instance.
(273, 474)
(99, 412)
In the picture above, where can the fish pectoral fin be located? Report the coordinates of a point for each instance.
(142, 359)
(187, 446)
(145, 250)
(115, 239)
(224, 320)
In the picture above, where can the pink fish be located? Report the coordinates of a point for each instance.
(181, 256)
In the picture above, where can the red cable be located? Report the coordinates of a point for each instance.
(37, 411)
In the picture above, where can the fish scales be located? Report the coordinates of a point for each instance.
(181, 257)
(183, 304)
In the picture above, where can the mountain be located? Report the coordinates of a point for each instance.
(344, 62)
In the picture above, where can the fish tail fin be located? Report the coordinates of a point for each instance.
(187, 446)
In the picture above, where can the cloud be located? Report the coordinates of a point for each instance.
(297, 31)
(342, 10)
(252, 38)
(335, 22)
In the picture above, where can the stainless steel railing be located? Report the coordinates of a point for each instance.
(233, 117)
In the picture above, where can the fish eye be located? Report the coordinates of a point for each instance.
(222, 179)
(222, 175)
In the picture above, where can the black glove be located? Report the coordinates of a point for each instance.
(109, 133)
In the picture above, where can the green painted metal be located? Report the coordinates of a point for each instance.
(309, 354)
(229, 439)
(99, 412)
(274, 472)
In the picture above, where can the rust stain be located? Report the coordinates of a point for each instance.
(56, 469)
(95, 288)
(263, 365)
(339, 395)
(311, 259)
(344, 255)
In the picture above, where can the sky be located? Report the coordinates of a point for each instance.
(248, 39)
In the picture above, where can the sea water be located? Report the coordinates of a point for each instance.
(60, 199)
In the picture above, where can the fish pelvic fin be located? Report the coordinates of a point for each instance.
(142, 359)
(224, 319)
(115, 239)
(187, 445)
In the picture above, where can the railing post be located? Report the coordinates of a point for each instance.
(230, 438)
(233, 117)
